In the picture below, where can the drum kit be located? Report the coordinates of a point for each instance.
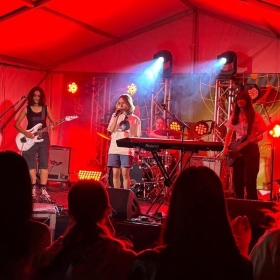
(145, 175)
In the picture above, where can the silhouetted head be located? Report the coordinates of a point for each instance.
(88, 202)
(15, 187)
(197, 210)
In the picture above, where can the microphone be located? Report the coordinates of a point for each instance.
(118, 112)
(163, 106)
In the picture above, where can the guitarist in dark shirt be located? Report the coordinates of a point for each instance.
(36, 112)
(248, 126)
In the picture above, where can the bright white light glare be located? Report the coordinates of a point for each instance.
(152, 72)
(223, 60)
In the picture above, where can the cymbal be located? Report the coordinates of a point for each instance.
(165, 132)
(107, 137)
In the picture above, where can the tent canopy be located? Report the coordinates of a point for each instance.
(47, 33)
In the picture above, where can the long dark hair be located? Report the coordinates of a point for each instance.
(249, 109)
(197, 227)
(88, 202)
(15, 205)
(42, 100)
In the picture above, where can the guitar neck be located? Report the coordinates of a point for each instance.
(49, 127)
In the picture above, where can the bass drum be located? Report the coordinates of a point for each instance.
(142, 180)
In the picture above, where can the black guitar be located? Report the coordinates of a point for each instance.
(237, 146)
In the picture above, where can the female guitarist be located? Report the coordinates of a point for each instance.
(249, 127)
(36, 112)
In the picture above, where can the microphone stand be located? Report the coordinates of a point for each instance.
(183, 126)
(8, 109)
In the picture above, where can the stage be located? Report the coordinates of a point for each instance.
(141, 221)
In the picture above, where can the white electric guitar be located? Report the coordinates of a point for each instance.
(24, 143)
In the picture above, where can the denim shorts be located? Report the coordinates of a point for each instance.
(116, 160)
(40, 150)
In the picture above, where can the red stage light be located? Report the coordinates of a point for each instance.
(73, 87)
(275, 131)
(175, 126)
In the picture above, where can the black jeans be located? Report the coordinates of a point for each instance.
(245, 172)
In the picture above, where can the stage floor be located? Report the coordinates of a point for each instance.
(144, 230)
(58, 193)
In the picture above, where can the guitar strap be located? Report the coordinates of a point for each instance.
(43, 118)
(43, 115)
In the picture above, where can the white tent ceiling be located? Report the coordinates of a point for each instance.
(46, 33)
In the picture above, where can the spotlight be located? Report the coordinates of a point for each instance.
(131, 89)
(203, 128)
(275, 131)
(73, 87)
(227, 64)
(165, 57)
(175, 126)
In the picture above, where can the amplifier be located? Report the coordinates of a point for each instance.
(59, 164)
(218, 165)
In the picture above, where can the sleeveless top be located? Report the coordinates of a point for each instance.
(35, 118)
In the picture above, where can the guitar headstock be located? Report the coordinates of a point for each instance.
(70, 118)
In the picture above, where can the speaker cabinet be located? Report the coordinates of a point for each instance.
(216, 165)
(59, 164)
(124, 203)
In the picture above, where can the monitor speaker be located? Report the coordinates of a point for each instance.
(124, 203)
(59, 164)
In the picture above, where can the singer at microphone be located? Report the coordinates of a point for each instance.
(118, 112)
(123, 124)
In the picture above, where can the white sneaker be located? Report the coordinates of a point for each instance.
(34, 194)
(45, 197)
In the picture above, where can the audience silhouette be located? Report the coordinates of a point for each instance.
(22, 240)
(197, 241)
(88, 250)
